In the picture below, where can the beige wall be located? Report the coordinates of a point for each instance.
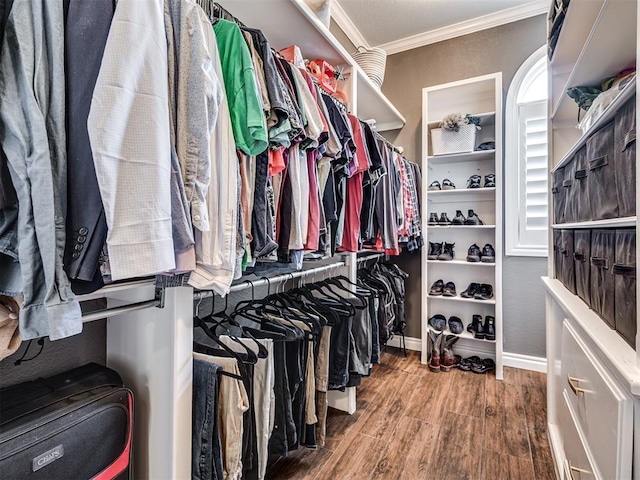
(501, 49)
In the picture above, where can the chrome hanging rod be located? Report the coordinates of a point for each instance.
(265, 281)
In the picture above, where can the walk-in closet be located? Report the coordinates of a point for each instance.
(319, 239)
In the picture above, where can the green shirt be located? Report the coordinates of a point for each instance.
(245, 104)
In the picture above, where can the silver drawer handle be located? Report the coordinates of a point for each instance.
(574, 389)
(577, 470)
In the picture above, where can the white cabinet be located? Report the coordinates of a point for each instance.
(593, 377)
(480, 97)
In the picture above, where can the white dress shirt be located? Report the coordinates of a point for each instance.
(216, 249)
(129, 131)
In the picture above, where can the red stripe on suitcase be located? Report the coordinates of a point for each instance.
(122, 462)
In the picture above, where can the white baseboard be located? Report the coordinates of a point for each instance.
(525, 362)
(468, 348)
(412, 343)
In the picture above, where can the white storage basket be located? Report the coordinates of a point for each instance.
(373, 61)
(447, 141)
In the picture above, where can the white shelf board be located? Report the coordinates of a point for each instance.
(315, 41)
(464, 334)
(605, 118)
(461, 157)
(461, 191)
(609, 49)
(374, 105)
(461, 299)
(576, 27)
(487, 118)
(463, 226)
(609, 223)
(612, 345)
(462, 262)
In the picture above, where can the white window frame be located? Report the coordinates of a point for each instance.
(514, 209)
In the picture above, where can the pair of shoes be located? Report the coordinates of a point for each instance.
(472, 219)
(446, 185)
(474, 181)
(477, 365)
(479, 291)
(442, 356)
(441, 251)
(439, 288)
(487, 255)
(486, 331)
(439, 322)
(443, 220)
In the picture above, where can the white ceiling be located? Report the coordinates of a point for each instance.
(398, 25)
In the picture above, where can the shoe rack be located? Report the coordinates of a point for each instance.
(480, 97)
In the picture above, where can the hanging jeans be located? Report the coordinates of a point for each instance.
(206, 461)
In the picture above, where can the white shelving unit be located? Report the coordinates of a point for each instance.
(480, 96)
(597, 430)
(152, 348)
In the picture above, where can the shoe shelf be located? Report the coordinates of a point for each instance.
(462, 262)
(472, 95)
(464, 334)
(609, 223)
(461, 191)
(463, 226)
(461, 157)
(458, 298)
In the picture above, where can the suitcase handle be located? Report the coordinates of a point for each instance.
(567, 183)
(600, 262)
(579, 257)
(625, 270)
(580, 174)
(598, 162)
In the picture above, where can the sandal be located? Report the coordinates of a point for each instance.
(484, 366)
(466, 363)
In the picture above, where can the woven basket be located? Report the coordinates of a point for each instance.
(373, 61)
(447, 141)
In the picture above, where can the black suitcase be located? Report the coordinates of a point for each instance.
(75, 425)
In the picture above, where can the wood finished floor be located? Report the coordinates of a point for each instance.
(414, 424)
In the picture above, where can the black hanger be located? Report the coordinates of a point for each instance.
(224, 317)
(251, 357)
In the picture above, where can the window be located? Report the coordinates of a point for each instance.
(526, 167)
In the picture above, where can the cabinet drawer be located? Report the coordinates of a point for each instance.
(603, 410)
(576, 465)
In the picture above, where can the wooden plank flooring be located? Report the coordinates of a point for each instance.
(414, 424)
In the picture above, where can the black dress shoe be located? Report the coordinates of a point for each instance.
(470, 291)
(485, 292)
(437, 288)
(489, 328)
(476, 327)
(449, 290)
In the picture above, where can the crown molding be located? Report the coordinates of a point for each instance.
(346, 24)
(473, 25)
